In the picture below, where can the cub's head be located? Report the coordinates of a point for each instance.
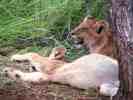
(91, 33)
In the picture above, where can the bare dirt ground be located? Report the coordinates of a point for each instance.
(10, 90)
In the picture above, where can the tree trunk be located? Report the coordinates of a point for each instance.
(122, 24)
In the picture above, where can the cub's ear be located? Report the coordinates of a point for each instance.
(58, 53)
(104, 27)
(105, 24)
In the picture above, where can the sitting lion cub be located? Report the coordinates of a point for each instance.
(90, 71)
(96, 35)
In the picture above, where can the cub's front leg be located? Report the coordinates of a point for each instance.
(35, 77)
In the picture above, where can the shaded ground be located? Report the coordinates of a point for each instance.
(10, 90)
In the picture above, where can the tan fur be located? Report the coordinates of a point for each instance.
(90, 71)
(96, 42)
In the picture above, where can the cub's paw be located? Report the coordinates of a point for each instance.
(13, 73)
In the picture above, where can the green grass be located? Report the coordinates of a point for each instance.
(37, 17)
(98, 8)
(47, 18)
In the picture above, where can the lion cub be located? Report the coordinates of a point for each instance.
(96, 35)
(90, 71)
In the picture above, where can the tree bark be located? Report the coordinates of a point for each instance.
(122, 24)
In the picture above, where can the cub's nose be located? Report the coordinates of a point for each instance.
(71, 33)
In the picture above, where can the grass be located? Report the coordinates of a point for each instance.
(44, 18)
(98, 8)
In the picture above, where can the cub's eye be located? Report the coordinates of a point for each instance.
(99, 29)
(84, 29)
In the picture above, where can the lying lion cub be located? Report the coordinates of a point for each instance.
(96, 35)
(90, 71)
